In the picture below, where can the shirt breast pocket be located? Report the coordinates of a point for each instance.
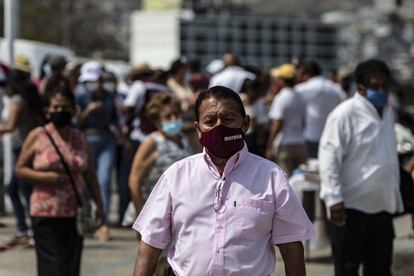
(254, 218)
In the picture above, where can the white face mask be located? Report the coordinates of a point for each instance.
(92, 86)
(109, 86)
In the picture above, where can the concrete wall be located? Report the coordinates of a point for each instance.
(155, 37)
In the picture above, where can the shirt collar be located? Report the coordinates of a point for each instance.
(287, 89)
(364, 103)
(315, 78)
(231, 164)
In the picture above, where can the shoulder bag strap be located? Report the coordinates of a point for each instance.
(66, 168)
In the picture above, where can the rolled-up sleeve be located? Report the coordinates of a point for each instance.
(154, 221)
(290, 222)
(333, 144)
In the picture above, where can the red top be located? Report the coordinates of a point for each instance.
(58, 200)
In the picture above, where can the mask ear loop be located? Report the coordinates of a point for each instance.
(243, 122)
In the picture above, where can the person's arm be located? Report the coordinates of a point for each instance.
(275, 128)
(276, 114)
(89, 110)
(93, 185)
(409, 166)
(293, 258)
(147, 259)
(291, 224)
(144, 161)
(24, 168)
(11, 123)
(333, 144)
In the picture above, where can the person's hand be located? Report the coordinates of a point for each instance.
(269, 153)
(53, 178)
(338, 215)
(98, 217)
(120, 137)
(94, 106)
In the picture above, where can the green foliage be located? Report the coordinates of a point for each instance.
(78, 24)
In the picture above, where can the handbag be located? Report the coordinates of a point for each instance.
(85, 223)
(407, 191)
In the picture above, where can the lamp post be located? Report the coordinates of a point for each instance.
(11, 15)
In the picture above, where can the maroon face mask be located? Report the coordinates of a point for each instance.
(223, 141)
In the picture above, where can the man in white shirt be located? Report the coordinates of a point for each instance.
(287, 113)
(321, 96)
(360, 175)
(233, 76)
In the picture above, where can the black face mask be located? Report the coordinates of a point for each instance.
(61, 118)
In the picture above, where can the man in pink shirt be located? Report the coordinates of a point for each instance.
(222, 210)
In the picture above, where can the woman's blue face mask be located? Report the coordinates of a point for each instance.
(172, 128)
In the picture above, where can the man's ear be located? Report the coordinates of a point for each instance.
(246, 124)
(362, 90)
(197, 127)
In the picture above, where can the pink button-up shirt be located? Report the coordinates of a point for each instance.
(223, 224)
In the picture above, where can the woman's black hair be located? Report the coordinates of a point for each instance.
(62, 90)
(218, 93)
(21, 85)
(366, 69)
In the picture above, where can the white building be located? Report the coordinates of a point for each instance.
(158, 37)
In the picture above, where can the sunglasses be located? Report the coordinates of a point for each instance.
(217, 202)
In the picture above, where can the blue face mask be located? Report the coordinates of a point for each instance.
(47, 69)
(378, 98)
(172, 128)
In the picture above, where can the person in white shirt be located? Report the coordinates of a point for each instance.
(233, 76)
(321, 96)
(287, 113)
(359, 171)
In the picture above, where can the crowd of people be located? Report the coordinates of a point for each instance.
(140, 124)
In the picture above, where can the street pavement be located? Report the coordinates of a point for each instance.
(117, 256)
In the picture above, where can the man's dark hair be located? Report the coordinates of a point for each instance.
(312, 68)
(176, 65)
(195, 66)
(57, 62)
(366, 69)
(290, 82)
(218, 93)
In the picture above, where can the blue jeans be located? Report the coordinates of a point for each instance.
(127, 157)
(13, 190)
(103, 154)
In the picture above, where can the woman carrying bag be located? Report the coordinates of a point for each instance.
(54, 201)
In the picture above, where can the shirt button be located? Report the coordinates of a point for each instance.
(218, 250)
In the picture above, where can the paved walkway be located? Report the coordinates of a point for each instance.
(117, 256)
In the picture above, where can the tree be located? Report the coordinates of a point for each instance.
(81, 25)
